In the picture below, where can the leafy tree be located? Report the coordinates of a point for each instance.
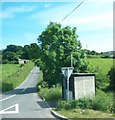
(11, 48)
(34, 51)
(56, 46)
(26, 51)
(30, 51)
(11, 54)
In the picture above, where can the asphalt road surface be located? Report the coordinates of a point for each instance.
(23, 102)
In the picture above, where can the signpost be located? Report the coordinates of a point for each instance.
(67, 71)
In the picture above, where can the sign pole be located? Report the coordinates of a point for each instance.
(67, 71)
(67, 85)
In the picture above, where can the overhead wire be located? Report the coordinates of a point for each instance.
(71, 11)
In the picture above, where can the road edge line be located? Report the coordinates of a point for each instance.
(8, 98)
(54, 113)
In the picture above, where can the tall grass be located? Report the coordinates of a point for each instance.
(14, 74)
(49, 94)
(100, 63)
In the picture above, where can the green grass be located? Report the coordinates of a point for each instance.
(103, 64)
(13, 75)
(86, 113)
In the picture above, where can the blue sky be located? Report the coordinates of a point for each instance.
(23, 22)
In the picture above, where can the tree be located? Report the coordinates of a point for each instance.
(56, 46)
(34, 51)
(30, 51)
(26, 52)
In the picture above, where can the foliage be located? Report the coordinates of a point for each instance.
(100, 67)
(30, 51)
(83, 103)
(111, 74)
(102, 81)
(12, 53)
(103, 101)
(53, 93)
(89, 52)
(56, 46)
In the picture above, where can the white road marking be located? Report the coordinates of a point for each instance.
(12, 96)
(7, 97)
(10, 112)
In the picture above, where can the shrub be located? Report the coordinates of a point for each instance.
(111, 74)
(85, 103)
(102, 80)
(63, 105)
(48, 94)
(102, 101)
(81, 103)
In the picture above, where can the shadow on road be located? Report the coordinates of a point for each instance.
(22, 91)
(42, 104)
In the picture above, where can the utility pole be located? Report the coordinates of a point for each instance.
(71, 60)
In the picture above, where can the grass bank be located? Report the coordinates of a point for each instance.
(100, 63)
(13, 75)
(86, 113)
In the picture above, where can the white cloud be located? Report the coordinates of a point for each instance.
(94, 22)
(55, 14)
(10, 12)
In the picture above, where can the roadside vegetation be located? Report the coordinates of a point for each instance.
(56, 50)
(13, 75)
(102, 106)
(55, 46)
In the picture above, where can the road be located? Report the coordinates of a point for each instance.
(23, 102)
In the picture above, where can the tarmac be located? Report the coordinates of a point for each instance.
(52, 105)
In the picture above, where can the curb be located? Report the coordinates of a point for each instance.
(54, 113)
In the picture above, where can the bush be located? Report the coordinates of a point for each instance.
(102, 101)
(5, 61)
(64, 105)
(102, 80)
(48, 94)
(83, 103)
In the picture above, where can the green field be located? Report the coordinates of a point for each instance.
(100, 63)
(13, 75)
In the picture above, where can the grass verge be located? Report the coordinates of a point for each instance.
(13, 75)
(84, 113)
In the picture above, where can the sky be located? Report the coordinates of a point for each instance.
(21, 22)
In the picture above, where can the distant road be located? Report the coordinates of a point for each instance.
(23, 102)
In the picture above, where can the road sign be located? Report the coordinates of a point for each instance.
(67, 71)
